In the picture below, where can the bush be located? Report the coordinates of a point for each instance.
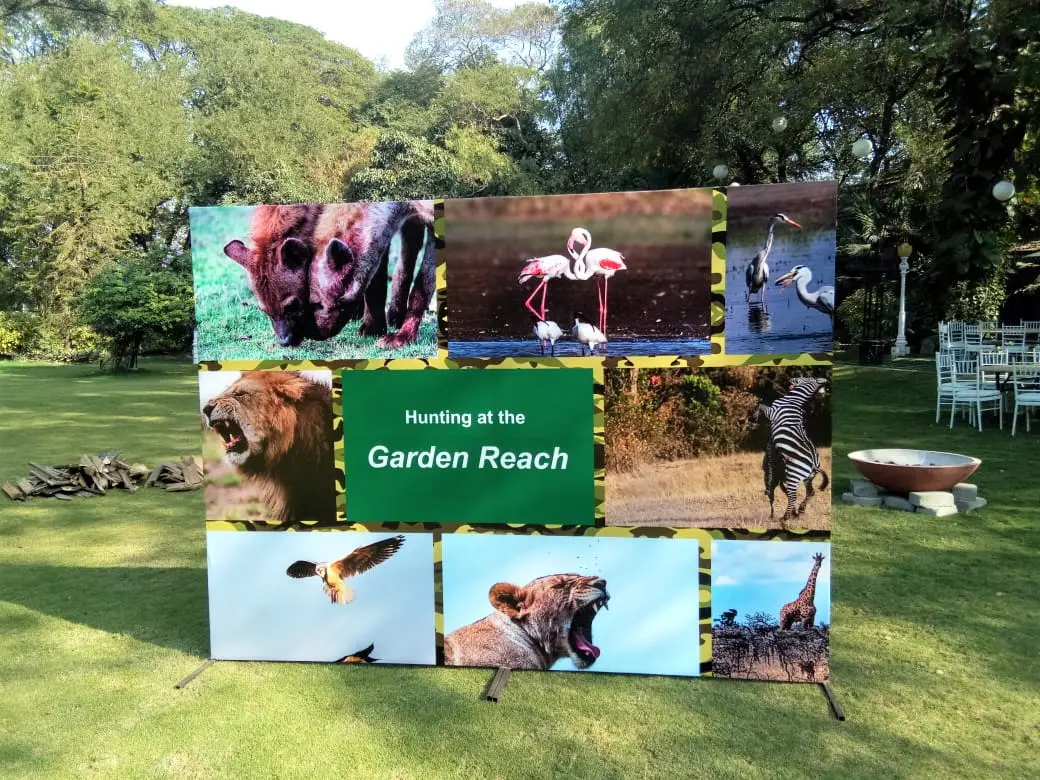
(34, 335)
(19, 333)
(136, 300)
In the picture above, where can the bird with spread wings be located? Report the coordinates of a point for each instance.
(358, 562)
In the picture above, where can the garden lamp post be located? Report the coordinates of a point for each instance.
(904, 251)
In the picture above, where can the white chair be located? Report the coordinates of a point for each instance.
(944, 335)
(969, 391)
(956, 332)
(1027, 391)
(945, 382)
(1013, 341)
(994, 358)
(972, 338)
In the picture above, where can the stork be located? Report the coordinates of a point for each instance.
(547, 331)
(757, 272)
(821, 300)
(587, 333)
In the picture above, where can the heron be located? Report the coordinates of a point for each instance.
(757, 273)
(821, 300)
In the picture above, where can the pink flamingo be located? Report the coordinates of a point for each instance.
(599, 262)
(547, 268)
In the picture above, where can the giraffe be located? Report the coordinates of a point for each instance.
(802, 610)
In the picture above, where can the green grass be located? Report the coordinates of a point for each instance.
(232, 327)
(103, 609)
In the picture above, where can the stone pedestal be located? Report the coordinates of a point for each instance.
(962, 499)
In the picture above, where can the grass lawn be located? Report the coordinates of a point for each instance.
(103, 609)
(724, 491)
(231, 324)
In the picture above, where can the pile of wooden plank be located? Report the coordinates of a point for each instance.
(183, 474)
(94, 475)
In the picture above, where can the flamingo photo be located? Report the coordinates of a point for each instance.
(821, 300)
(512, 260)
(757, 272)
(598, 262)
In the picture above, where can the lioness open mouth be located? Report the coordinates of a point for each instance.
(579, 637)
(231, 433)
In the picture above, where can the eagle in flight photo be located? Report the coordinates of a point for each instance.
(358, 562)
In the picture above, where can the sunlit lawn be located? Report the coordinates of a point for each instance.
(103, 609)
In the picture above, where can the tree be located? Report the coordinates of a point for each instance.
(92, 147)
(274, 107)
(135, 299)
(472, 33)
(656, 93)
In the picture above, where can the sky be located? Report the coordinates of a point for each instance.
(763, 576)
(380, 30)
(258, 612)
(650, 624)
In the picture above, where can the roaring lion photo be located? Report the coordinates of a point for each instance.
(268, 446)
(534, 626)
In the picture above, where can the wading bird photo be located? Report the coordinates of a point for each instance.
(639, 263)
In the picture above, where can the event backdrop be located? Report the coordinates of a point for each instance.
(571, 432)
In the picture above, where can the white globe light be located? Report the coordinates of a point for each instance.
(720, 171)
(1003, 190)
(779, 124)
(862, 148)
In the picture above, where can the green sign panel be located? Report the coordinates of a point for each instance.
(469, 446)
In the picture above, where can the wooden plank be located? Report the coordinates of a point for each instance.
(50, 476)
(191, 474)
(12, 492)
(154, 476)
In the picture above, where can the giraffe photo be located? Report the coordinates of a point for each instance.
(771, 609)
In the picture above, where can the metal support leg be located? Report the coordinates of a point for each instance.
(839, 713)
(208, 663)
(497, 685)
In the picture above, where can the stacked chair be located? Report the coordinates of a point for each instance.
(972, 358)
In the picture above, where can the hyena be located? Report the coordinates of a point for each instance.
(278, 265)
(352, 248)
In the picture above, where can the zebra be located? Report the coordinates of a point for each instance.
(790, 457)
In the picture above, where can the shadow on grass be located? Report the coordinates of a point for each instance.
(161, 606)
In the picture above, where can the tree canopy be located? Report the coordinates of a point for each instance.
(116, 115)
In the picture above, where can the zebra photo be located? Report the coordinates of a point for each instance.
(790, 458)
(694, 448)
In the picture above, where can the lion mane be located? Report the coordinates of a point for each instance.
(276, 428)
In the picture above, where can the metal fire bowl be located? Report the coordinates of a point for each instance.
(905, 471)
